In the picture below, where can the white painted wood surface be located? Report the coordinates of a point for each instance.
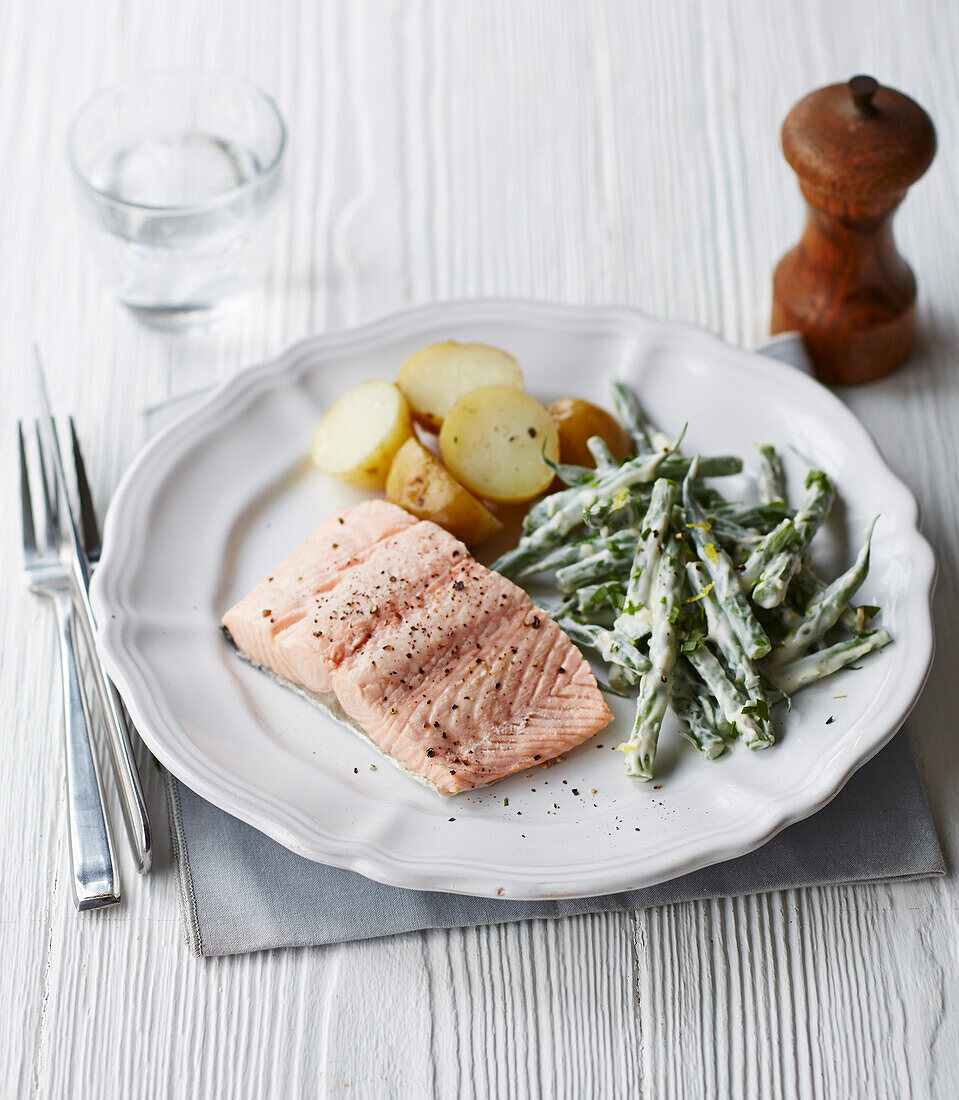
(604, 151)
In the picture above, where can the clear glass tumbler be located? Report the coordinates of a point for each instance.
(178, 174)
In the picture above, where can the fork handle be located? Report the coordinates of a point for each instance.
(117, 731)
(95, 882)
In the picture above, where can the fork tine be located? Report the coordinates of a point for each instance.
(88, 515)
(50, 500)
(26, 503)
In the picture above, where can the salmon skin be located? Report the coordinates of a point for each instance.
(447, 668)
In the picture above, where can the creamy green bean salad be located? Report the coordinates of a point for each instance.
(695, 603)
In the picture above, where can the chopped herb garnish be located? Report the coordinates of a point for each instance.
(705, 592)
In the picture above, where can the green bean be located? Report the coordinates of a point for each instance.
(649, 550)
(564, 607)
(614, 648)
(661, 441)
(761, 517)
(784, 617)
(750, 721)
(631, 417)
(625, 509)
(696, 722)
(771, 480)
(570, 514)
(720, 632)
(558, 557)
(622, 681)
(812, 514)
(547, 507)
(655, 686)
(806, 585)
(723, 575)
(603, 457)
(709, 466)
(825, 609)
(594, 598)
(771, 588)
(569, 552)
(768, 550)
(791, 677)
(740, 541)
(601, 566)
(714, 713)
(579, 633)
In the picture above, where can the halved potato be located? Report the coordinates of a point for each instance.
(493, 441)
(421, 484)
(577, 420)
(435, 378)
(361, 432)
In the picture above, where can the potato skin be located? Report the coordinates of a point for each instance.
(421, 484)
(434, 378)
(493, 442)
(577, 420)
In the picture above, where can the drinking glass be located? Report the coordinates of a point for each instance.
(178, 175)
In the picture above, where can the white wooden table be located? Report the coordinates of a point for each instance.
(604, 151)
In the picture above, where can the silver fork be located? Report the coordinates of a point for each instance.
(117, 725)
(95, 881)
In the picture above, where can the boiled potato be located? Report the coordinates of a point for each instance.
(435, 378)
(493, 439)
(361, 432)
(421, 484)
(577, 420)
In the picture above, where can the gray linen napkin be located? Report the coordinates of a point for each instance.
(241, 891)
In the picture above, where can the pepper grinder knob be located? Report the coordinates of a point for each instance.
(856, 148)
(863, 88)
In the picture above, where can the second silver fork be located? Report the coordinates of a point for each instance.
(95, 880)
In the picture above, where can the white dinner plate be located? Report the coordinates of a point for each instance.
(227, 492)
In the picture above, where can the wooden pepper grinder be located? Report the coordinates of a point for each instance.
(857, 148)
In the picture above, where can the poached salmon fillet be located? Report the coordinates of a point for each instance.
(444, 666)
